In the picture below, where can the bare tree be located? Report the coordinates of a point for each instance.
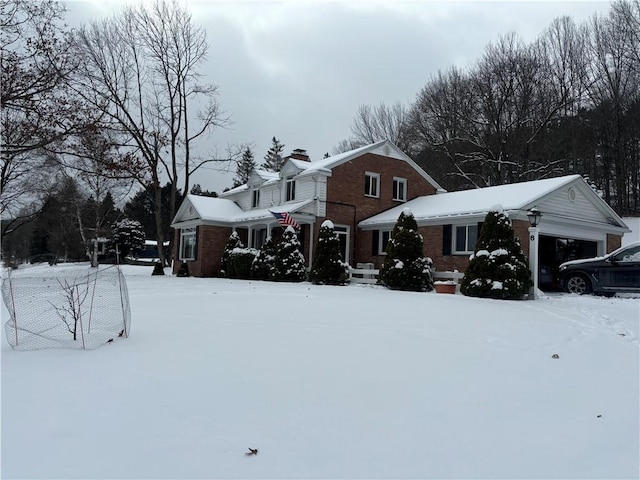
(139, 68)
(36, 109)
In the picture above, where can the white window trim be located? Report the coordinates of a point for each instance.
(382, 248)
(287, 182)
(187, 232)
(372, 177)
(454, 239)
(347, 233)
(403, 182)
(255, 198)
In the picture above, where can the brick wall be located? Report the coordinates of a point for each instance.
(210, 243)
(347, 204)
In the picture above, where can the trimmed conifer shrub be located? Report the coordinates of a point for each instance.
(497, 268)
(405, 267)
(289, 259)
(236, 259)
(264, 264)
(328, 267)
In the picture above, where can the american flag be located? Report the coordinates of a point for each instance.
(285, 220)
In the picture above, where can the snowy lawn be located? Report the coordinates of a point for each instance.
(331, 382)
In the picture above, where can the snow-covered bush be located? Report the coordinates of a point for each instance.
(498, 267)
(236, 259)
(328, 267)
(128, 235)
(289, 259)
(405, 267)
(264, 264)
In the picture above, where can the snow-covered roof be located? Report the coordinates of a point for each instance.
(302, 168)
(478, 202)
(222, 211)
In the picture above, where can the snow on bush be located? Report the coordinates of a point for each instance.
(263, 266)
(237, 259)
(498, 267)
(289, 261)
(328, 267)
(405, 267)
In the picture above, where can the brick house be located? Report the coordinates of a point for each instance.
(363, 192)
(575, 222)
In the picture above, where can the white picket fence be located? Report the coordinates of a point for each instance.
(365, 273)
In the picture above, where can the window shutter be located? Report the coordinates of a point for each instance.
(479, 228)
(446, 239)
(195, 247)
(374, 242)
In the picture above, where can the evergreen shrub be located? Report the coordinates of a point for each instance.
(497, 268)
(263, 266)
(328, 267)
(289, 261)
(405, 267)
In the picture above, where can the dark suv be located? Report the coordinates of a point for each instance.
(617, 272)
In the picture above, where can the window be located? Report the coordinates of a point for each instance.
(371, 184)
(342, 231)
(400, 189)
(383, 240)
(258, 237)
(188, 244)
(255, 198)
(291, 189)
(465, 239)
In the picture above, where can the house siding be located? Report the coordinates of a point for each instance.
(210, 245)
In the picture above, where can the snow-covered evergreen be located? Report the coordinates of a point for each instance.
(128, 235)
(236, 259)
(328, 267)
(264, 266)
(498, 268)
(405, 267)
(289, 260)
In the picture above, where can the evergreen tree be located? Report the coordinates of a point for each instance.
(233, 243)
(405, 267)
(328, 267)
(128, 235)
(273, 159)
(246, 164)
(264, 266)
(289, 260)
(197, 190)
(498, 267)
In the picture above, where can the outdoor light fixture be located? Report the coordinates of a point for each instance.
(534, 216)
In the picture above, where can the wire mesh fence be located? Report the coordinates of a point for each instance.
(74, 307)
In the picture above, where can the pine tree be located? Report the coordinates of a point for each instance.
(264, 267)
(405, 267)
(233, 243)
(273, 159)
(328, 267)
(289, 260)
(498, 267)
(246, 164)
(128, 235)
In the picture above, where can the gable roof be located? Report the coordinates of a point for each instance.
(301, 168)
(198, 210)
(515, 198)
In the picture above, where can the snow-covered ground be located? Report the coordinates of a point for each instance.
(331, 382)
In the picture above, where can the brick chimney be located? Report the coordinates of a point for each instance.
(299, 154)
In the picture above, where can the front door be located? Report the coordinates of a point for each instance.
(343, 234)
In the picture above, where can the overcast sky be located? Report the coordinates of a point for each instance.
(299, 70)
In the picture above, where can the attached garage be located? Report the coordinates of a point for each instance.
(575, 222)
